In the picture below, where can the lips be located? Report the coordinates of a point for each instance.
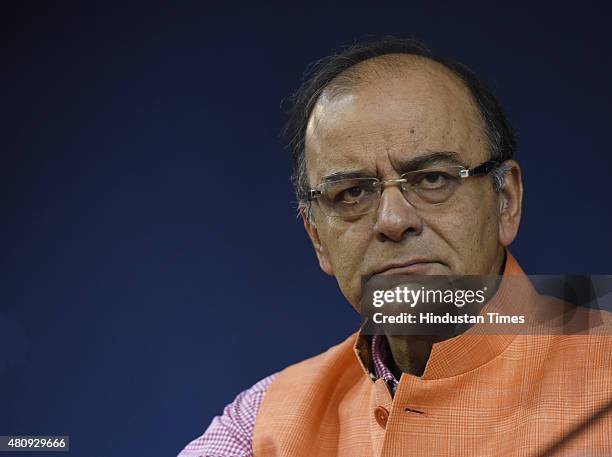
(417, 266)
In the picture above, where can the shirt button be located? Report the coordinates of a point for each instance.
(381, 415)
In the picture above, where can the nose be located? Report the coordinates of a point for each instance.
(396, 218)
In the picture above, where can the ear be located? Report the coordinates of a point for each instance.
(321, 252)
(510, 203)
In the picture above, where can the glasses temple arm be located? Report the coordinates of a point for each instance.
(482, 169)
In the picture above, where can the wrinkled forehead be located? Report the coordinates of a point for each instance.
(383, 115)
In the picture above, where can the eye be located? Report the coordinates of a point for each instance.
(349, 192)
(432, 180)
(351, 195)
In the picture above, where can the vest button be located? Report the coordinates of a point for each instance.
(381, 415)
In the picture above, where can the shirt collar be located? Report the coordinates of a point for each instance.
(456, 355)
(380, 357)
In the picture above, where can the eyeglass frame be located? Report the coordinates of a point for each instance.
(479, 170)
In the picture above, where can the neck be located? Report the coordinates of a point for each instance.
(410, 353)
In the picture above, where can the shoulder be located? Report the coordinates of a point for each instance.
(340, 358)
(231, 433)
(317, 383)
(575, 339)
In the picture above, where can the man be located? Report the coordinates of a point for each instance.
(363, 128)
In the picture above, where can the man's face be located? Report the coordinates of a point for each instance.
(377, 127)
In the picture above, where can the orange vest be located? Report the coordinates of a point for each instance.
(480, 395)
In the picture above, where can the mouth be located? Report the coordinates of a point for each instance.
(417, 266)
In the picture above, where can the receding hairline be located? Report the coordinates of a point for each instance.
(380, 69)
(376, 69)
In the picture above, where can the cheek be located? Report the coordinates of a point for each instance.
(346, 245)
(469, 229)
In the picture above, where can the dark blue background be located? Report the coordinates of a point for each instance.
(152, 264)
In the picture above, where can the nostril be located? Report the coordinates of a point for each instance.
(386, 236)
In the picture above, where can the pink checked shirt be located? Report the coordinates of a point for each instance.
(231, 434)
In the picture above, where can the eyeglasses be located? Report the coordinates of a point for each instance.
(349, 198)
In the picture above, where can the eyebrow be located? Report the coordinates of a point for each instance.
(415, 163)
(425, 160)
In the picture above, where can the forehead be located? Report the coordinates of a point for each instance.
(388, 114)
